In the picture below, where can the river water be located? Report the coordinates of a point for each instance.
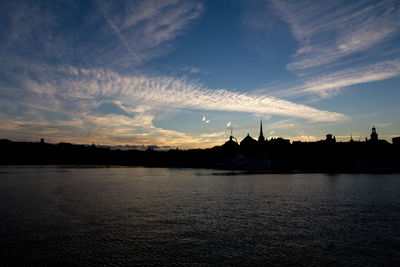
(160, 216)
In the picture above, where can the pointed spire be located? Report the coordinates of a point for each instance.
(261, 138)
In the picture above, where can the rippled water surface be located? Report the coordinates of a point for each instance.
(145, 216)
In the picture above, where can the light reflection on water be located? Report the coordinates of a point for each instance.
(122, 216)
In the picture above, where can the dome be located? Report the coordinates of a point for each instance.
(248, 141)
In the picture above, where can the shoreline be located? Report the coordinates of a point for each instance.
(233, 171)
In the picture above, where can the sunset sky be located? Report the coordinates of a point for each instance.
(185, 73)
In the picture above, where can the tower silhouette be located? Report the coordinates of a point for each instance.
(261, 138)
(374, 135)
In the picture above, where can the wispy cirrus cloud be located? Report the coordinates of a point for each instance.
(143, 25)
(328, 31)
(331, 83)
(118, 34)
(176, 93)
(340, 44)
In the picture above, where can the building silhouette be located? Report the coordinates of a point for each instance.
(374, 135)
(273, 155)
(248, 141)
(261, 138)
(330, 139)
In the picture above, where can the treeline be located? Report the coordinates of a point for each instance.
(71, 154)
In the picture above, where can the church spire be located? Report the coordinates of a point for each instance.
(261, 138)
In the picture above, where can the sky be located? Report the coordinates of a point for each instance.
(185, 73)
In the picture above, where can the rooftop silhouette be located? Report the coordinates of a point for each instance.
(273, 155)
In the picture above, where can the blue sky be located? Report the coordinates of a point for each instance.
(184, 73)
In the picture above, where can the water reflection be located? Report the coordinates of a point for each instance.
(141, 216)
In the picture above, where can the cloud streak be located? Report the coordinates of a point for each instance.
(340, 44)
(331, 30)
(142, 26)
(119, 34)
(177, 93)
(330, 84)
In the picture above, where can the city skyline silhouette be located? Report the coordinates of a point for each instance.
(372, 155)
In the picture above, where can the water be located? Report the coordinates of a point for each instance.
(150, 216)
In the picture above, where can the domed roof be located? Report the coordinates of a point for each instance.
(231, 144)
(248, 140)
